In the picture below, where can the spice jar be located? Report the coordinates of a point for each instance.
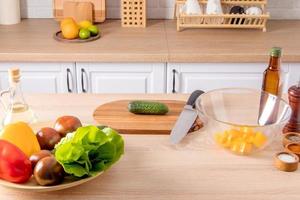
(293, 148)
(290, 137)
(294, 100)
(286, 161)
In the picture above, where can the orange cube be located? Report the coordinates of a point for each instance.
(234, 133)
(259, 139)
(248, 137)
(246, 129)
(219, 138)
(246, 148)
(236, 146)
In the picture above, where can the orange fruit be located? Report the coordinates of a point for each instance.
(66, 21)
(70, 30)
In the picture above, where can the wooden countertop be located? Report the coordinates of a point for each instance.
(153, 169)
(32, 40)
(159, 42)
(231, 45)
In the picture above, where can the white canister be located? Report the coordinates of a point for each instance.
(10, 12)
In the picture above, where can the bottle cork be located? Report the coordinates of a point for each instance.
(14, 75)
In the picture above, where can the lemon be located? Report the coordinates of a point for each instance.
(94, 30)
(84, 33)
(85, 24)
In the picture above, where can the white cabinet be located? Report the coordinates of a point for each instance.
(185, 78)
(141, 77)
(121, 78)
(42, 77)
(294, 74)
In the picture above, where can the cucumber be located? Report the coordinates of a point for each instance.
(147, 108)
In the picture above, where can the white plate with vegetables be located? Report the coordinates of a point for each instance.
(56, 158)
(32, 185)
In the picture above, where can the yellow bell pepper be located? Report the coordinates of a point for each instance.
(21, 135)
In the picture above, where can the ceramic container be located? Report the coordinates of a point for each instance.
(10, 12)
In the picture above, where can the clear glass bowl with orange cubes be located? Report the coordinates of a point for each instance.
(241, 120)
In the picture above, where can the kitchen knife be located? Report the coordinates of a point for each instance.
(186, 118)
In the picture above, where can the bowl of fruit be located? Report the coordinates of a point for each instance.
(73, 32)
(242, 121)
(56, 157)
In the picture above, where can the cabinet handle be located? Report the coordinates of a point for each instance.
(83, 73)
(69, 74)
(174, 81)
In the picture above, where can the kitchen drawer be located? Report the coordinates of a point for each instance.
(185, 78)
(42, 77)
(121, 77)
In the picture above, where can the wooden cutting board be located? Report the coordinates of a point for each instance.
(98, 9)
(116, 115)
(79, 11)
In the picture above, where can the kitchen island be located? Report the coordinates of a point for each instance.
(154, 169)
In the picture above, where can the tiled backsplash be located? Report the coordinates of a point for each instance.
(158, 9)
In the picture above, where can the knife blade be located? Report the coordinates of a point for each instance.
(185, 119)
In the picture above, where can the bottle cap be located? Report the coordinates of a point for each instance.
(14, 75)
(294, 91)
(276, 52)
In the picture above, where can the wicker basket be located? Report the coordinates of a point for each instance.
(133, 13)
(98, 9)
(224, 20)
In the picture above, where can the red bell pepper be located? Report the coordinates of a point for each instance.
(14, 165)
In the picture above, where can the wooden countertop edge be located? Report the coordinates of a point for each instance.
(230, 58)
(60, 57)
(140, 58)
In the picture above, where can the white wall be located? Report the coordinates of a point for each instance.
(159, 9)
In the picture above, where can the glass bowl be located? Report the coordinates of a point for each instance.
(242, 120)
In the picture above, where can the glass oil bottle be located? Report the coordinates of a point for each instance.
(16, 109)
(271, 89)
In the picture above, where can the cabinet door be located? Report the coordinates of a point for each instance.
(121, 78)
(42, 77)
(185, 78)
(294, 75)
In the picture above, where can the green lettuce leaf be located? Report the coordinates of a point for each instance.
(89, 150)
(117, 140)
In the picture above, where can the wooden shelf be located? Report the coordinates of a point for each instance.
(227, 16)
(233, 2)
(225, 20)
